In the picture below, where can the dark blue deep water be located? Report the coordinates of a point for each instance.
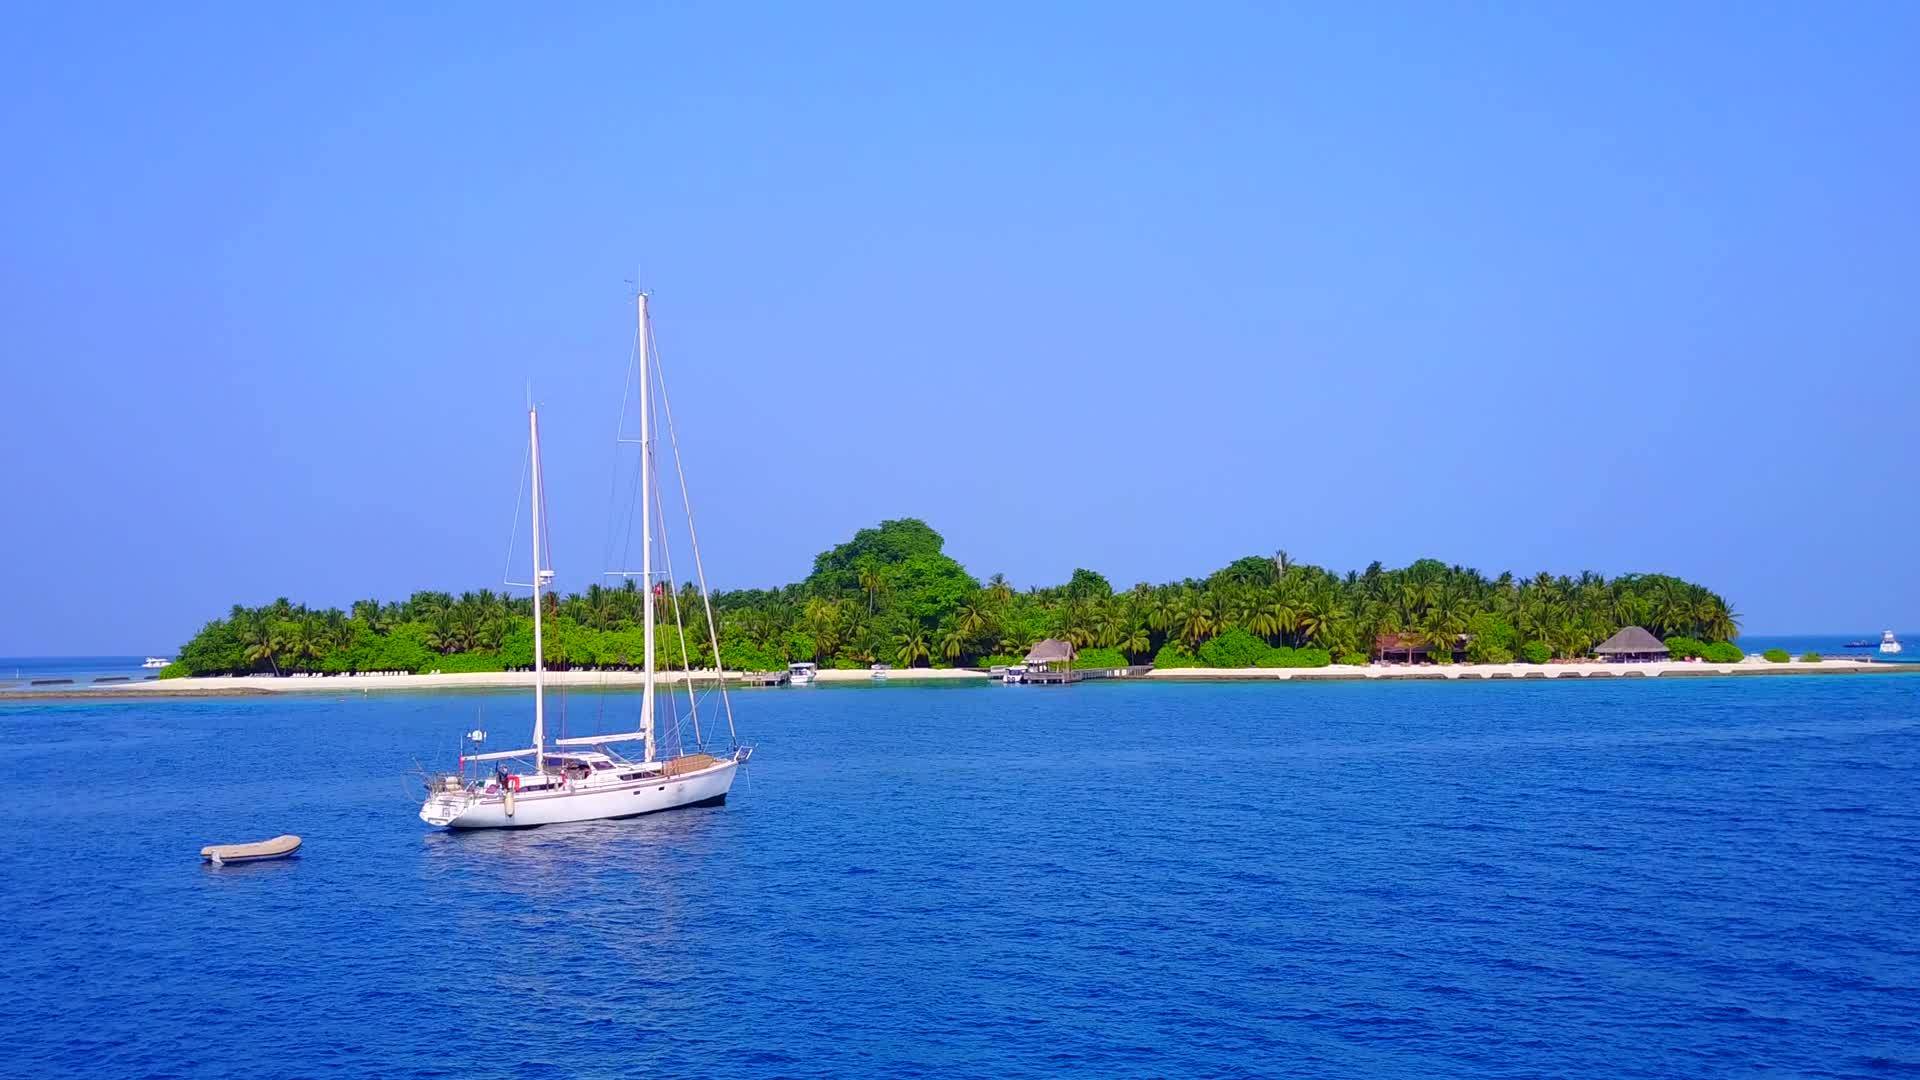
(1655, 878)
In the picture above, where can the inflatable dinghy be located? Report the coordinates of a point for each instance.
(277, 848)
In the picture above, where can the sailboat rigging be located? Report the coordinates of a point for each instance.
(584, 778)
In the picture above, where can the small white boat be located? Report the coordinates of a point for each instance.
(880, 672)
(1889, 644)
(802, 674)
(155, 662)
(277, 848)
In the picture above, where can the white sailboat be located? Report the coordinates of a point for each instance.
(585, 778)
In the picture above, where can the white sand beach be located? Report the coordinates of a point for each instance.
(487, 680)
(337, 684)
(1752, 665)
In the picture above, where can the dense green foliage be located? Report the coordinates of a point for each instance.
(1810, 658)
(1715, 652)
(1233, 648)
(1681, 647)
(891, 594)
(1174, 655)
(1491, 638)
(1098, 658)
(1777, 656)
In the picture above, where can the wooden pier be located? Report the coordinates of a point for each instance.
(1066, 676)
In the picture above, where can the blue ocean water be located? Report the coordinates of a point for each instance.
(1836, 645)
(20, 672)
(1634, 878)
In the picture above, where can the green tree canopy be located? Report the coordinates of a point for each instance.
(892, 593)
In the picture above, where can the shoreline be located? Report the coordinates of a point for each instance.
(1586, 669)
(268, 686)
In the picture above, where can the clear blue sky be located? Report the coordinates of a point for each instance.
(1527, 286)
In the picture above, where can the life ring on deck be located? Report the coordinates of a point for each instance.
(513, 782)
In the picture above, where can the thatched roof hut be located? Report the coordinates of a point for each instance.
(1388, 646)
(1631, 643)
(1414, 647)
(1051, 651)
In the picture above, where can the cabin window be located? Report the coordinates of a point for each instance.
(598, 765)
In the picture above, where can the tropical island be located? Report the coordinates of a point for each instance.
(892, 595)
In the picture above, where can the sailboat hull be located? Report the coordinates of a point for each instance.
(707, 787)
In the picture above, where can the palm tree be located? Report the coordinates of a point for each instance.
(304, 639)
(441, 636)
(824, 619)
(337, 632)
(466, 626)
(425, 605)
(1241, 607)
(872, 583)
(1671, 609)
(1261, 619)
(1570, 636)
(1163, 610)
(1323, 618)
(953, 643)
(256, 637)
(1016, 641)
(1631, 609)
(1075, 623)
(972, 618)
(1195, 622)
(1282, 611)
(599, 604)
(1135, 642)
(369, 612)
(910, 647)
(1719, 621)
(999, 589)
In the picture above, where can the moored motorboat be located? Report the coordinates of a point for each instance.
(277, 848)
(1889, 644)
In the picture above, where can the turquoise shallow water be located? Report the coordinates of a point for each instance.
(1672, 877)
(1837, 645)
(20, 672)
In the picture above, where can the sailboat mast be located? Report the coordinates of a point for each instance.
(539, 654)
(646, 526)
